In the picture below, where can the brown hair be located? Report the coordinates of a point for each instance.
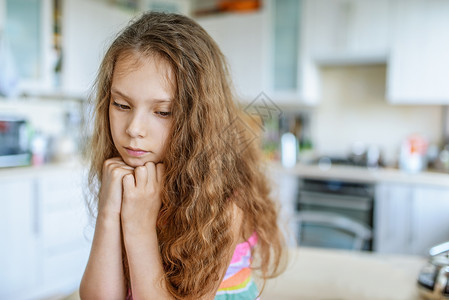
(210, 162)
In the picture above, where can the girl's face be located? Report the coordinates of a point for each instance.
(139, 108)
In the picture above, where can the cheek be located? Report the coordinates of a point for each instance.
(165, 131)
(114, 126)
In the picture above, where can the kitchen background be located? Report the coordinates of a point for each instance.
(352, 93)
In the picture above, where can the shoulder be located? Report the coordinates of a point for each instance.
(237, 217)
(241, 230)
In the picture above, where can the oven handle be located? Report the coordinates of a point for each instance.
(336, 201)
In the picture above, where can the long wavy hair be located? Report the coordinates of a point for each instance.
(211, 161)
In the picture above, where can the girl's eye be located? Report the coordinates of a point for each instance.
(164, 114)
(120, 106)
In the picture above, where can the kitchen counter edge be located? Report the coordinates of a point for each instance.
(360, 174)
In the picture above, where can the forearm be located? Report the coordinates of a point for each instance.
(145, 264)
(103, 277)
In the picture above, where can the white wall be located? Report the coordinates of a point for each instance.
(354, 109)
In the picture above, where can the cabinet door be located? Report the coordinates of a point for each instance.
(430, 218)
(88, 28)
(18, 226)
(353, 30)
(64, 237)
(241, 38)
(393, 218)
(284, 192)
(418, 69)
(28, 25)
(2, 14)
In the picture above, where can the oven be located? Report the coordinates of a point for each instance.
(351, 203)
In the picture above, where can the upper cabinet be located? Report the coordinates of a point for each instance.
(241, 37)
(418, 68)
(410, 36)
(27, 55)
(88, 27)
(341, 32)
(347, 31)
(263, 51)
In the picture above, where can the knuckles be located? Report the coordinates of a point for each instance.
(117, 173)
(140, 169)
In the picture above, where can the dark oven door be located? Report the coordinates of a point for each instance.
(348, 205)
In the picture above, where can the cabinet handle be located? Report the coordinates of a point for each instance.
(411, 227)
(36, 207)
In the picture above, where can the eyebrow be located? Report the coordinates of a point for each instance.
(114, 91)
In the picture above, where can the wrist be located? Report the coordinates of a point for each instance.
(137, 228)
(108, 218)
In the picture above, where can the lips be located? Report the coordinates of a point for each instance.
(135, 151)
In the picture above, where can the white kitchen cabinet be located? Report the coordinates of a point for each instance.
(19, 233)
(241, 38)
(45, 233)
(28, 25)
(263, 52)
(347, 31)
(392, 218)
(285, 192)
(88, 28)
(341, 32)
(410, 219)
(2, 14)
(64, 238)
(418, 67)
(430, 218)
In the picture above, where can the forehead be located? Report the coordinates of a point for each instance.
(132, 61)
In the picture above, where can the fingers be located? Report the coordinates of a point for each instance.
(141, 176)
(151, 169)
(129, 181)
(115, 162)
(155, 171)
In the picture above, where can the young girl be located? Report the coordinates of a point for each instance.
(182, 204)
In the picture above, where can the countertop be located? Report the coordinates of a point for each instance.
(31, 171)
(322, 274)
(361, 174)
(336, 172)
(341, 274)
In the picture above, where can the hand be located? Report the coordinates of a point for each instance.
(141, 196)
(110, 198)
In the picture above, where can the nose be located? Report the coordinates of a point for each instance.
(136, 127)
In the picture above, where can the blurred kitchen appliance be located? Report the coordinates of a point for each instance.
(14, 142)
(350, 200)
(433, 280)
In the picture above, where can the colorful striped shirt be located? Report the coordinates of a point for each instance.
(238, 283)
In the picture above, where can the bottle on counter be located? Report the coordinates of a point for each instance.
(39, 149)
(413, 155)
(289, 150)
